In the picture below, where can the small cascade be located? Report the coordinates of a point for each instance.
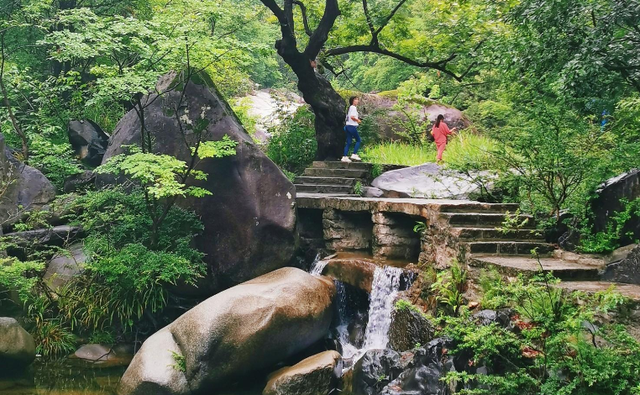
(342, 330)
(386, 284)
(318, 266)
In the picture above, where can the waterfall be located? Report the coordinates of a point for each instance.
(318, 266)
(385, 287)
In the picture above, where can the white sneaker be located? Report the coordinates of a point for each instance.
(356, 157)
(345, 160)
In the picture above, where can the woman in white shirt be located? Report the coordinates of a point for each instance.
(351, 127)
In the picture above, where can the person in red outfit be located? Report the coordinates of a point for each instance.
(440, 132)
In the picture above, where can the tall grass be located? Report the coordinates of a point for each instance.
(463, 151)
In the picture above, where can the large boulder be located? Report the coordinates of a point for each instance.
(249, 220)
(64, 266)
(17, 348)
(383, 115)
(429, 181)
(269, 107)
(22, 188)
(244, 329)
(88, 141)
(316, 375)
(609, 201)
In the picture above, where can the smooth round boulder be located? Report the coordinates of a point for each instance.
(243, 329)
(24, 188)
(17, 348)
(316, 375)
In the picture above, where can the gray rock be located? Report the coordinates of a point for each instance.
(88, 141)
(316, 375)
(17, 348)
(241, 330)
(374, 370)
(609, 201)
(22, 187)
(501, 317)
(80, 181)
(64, 266)
(424, 374)
(99, 355)
(373, 192)
(58, 235)
(250, 218)
(429, 181)
(626, 269)
(409, 329)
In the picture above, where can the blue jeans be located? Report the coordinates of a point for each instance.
(352, 133)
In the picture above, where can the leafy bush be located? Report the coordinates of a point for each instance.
(293, 144)
(609, 240)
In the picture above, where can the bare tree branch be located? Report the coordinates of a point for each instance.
(321, 34)
(305, 20)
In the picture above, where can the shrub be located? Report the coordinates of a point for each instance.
(293, 144)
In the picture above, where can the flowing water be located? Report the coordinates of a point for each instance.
(318, 265)
(385, 287)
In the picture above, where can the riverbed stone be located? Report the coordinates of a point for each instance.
(102, 356)
(250, 216)
(316, 375)
(17, 348)
(243, 329)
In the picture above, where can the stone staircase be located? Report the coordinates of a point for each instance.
(511, 253)
(333, 178)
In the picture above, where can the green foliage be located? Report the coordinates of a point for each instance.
(609, 240)
(404, 305)
(53, 339)
(450, 286)
(180, 362)
(554, 350)
(293, 145)
(358, 189)
(420, 227)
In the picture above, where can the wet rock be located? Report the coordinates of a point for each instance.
(229, 336)
(17, 348)
(429, 181)
(99, 355)
(353, 271)
(374, 370)
(80, 181)
(26, 188)
(429, 365)
(625, 266)
(316, 375)
(88, 141)
(64, 266)
(250, 217)
(409, 329)
(609, 201)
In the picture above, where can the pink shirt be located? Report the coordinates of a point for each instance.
(440, 133)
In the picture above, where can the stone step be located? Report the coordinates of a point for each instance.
(325, 181)
(514, 265)
(479, 207)
(306, 188)
(341, 173)
(483, 220)
(631, 291)
(486, 234)
(342, 165)
(523, 248)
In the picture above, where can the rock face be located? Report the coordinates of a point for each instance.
(246, 328)
(316, 375)
(409, 329)
(250, 217)
(17, 348)
(88, 141)
(21, 187)
(608, 202)
(426, 181)
(625, 270)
